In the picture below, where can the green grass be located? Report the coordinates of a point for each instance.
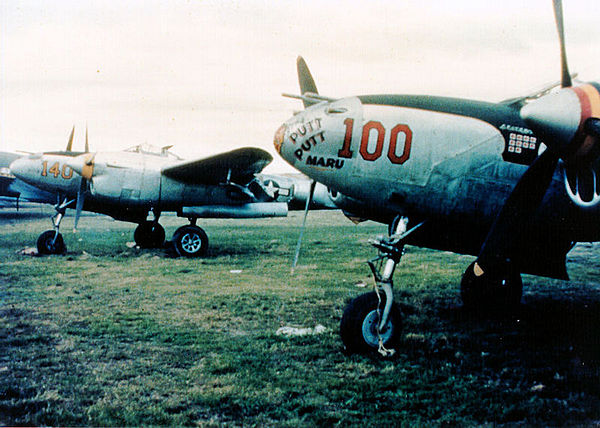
(109, 335)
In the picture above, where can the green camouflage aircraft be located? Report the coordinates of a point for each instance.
(515, 183)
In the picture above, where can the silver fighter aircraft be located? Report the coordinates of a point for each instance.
(515, 183)
(140, 183)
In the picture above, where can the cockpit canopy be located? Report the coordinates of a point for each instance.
(149, 149)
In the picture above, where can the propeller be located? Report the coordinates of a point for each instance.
(70, 142)
(564, 66)
(568, 122)
(311, 192)
(80, 201)
(306, 81)
(84, 166)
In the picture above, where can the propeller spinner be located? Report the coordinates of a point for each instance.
(84, 166)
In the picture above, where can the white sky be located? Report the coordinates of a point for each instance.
(207, 76)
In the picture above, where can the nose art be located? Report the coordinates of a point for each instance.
(279, 136)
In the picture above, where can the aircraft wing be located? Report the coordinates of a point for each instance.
(238, 166)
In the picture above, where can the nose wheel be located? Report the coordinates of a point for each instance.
(51, 242)
(360, 326)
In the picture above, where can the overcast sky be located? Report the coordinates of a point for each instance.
(207, 76)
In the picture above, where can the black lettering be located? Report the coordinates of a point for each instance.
(311, 160)
(339, 163)
(306, 145)
(321, 162)
(330, 163)
(293, 137)
(301, 130)
(298, 154)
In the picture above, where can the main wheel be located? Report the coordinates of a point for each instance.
(190, 241)
(149, 234)
(358, 328)
(492, 290)
(47, 244)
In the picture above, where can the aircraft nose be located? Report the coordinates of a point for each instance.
(21, 168)
(301, 136)
(279, 137)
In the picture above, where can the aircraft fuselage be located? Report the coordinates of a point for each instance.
(449, 162)
(124, 185)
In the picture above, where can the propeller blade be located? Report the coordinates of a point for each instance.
(87, 146)
(564, 66)
(306, 81)
(70, 143)
(80, 201)
(522, 203)
(308, 202)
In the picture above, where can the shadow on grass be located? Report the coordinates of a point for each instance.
(554, 342)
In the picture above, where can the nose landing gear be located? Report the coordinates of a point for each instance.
(372, 321)
(51, 241)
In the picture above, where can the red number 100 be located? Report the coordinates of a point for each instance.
(379, 129)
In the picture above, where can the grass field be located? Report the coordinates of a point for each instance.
(112, 335)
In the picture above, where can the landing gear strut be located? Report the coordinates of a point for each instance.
(51, 241)
(372, 321)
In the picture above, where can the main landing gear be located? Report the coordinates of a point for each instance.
(149, 234)
(372, 321)
(498, 289)
(189, 241)
(51, 241)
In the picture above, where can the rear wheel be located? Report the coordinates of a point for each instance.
(50, 242)
(149, 234)
(190, 241)
(358, 327)
(502, 289)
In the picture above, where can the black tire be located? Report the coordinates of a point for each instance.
(46, 244)
(149, 234)
(491, 291)
(190, 241)
(358, 325)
